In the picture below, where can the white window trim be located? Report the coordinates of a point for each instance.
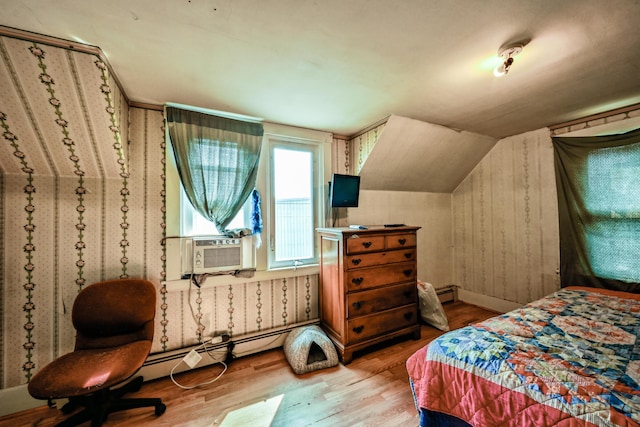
(323, 140)
(315, 147)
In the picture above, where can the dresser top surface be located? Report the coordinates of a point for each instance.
(367, 230)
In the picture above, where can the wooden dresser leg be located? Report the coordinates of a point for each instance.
(416, 334)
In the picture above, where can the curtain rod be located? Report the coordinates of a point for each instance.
(587, 119)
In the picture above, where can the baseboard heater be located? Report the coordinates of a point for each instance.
(159, 365)
(447, 293)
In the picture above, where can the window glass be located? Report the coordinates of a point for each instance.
(195, 224)
(612, 199)
(293, 216)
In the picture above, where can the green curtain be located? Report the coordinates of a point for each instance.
(217, 160)
(598, 182)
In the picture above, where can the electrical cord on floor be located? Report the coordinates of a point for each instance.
(203, 345)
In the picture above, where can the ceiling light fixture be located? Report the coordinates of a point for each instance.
(507, 54)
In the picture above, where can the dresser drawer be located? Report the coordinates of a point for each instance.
(396, 241)
(365, 244)
(367, 302)
(362, 328)
(371, 277)
(380, 258)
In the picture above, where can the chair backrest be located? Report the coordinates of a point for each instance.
(114, 312)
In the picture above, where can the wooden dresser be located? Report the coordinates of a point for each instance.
(368, 288)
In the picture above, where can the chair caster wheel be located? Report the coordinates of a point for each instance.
(160, 408)
(68, 408)
(136, 384)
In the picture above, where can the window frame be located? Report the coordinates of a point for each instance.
(315, 147)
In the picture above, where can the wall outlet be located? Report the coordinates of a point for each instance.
(219, 338)
(192, 358)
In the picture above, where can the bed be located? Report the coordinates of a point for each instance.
(569, 359)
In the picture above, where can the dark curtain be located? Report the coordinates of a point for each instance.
(217, 160)
(598, 182)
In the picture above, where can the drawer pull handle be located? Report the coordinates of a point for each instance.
(366, 244)
(356, 261)
(358, 329)
(407, 272)
(402, 241)
(408, 255)
(407, 294)
(357, 280)
(408, 316)
(357, 305)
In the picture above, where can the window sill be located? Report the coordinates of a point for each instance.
(262, 275)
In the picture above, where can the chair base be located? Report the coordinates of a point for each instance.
(100, 404)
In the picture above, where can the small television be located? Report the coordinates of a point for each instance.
(344, 191)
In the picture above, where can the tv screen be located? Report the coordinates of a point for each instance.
(345, 191)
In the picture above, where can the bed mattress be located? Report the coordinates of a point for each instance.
(569, 359)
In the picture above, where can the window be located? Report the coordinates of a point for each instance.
(294, 202)
(194, 224)
(300, 197)
(598, 183)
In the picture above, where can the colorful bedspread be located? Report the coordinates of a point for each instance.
(570, 359)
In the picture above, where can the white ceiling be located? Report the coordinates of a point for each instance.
(340, 65)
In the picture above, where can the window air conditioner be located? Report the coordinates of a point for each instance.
(208, 254)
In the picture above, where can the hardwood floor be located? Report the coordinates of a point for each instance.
(373, 390)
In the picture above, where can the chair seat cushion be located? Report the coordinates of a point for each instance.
(86, 371)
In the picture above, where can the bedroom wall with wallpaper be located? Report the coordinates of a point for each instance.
(82, 199)
(496, 236)
(505, 223)
(361, 145)
(65, 196)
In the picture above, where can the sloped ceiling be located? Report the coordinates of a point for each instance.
(411, 155)
(334, 66)
(61, 113)
(339, 66)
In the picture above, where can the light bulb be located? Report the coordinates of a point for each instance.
(503, 68)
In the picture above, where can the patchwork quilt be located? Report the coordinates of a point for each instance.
(570, 359)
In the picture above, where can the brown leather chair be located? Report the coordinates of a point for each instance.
(114, 332)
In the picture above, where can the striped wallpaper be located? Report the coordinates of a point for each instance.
(83, 199)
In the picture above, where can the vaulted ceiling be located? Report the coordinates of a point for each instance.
(341, 65)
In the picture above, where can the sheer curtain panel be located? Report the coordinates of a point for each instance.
(217, 160)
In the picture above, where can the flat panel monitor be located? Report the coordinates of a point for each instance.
(345, 191)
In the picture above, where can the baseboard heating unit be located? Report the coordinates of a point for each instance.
(159, 365)
(447, 293)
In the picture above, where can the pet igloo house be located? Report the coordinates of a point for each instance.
(308, 349)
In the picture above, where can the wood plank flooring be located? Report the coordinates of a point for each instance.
(373, 390)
